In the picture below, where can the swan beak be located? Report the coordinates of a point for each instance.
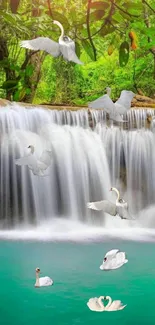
(105, 298)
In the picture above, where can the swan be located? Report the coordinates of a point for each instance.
(65, 46)
(95, 304)
(38, 167)
(119, 208)
(115, 110)
(114, 259)
(113, 305)
(42, 282)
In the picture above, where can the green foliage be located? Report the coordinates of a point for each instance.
(98, 27)
(124, 54)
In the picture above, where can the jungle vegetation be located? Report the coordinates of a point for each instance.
(114, 38)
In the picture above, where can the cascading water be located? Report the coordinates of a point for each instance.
(85, 165)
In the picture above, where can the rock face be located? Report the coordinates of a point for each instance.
(143, 101)
(4, 102)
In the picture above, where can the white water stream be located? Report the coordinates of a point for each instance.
(85, 165)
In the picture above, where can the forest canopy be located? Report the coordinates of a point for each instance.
(114, 38)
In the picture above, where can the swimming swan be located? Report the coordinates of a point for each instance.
(65, 47)
(119, 208)
(113, 305)
(114, 259)
(42, 282)
(38, 167)
(96, 304)
(115, 110)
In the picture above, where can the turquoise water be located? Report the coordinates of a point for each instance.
(77, 277)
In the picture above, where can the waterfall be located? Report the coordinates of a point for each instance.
(85, 164)
(131, 159)
(79, 170)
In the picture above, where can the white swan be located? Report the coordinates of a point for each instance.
(65, 46)
(96, 304)
(115, 110)
(120, 208)
(42, 282)
(38, 167)
(114, 259)
(113, 305)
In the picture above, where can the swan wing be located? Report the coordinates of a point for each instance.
(38, 172)
(103, 102)
(116, 117)
(112, 253)
(119, 260)
(68, 51)
(120, 257)
(122, 210)
(115, 305)
(45, 281)
(93, 304)
(46, 157)
(43, 44)
(124, 102)
(104, 205)
(27, 160)
(112, 264)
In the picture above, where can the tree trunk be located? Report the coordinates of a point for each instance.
(36, 60)
(4, 54)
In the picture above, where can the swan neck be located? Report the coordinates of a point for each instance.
(109, 303)
(117, 192)
(61, 28)
(109, 91)
(100, 302)
(37, 280)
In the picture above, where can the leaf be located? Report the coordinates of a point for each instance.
(14, 4)
(14, 67)
(107, 29)
(118, 17)
(97, 15)
(133, 5)
(88, 49)
(28, 91)
(29, 70)
(100, 5)
(124, 54)
(110, 49)
(133, 38)
(61, 18)
(150, 31)
(9, 84)
(9, 18)
(77, 49)
(16, 96)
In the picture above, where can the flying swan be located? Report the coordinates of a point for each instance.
(42, 282)
(38, 167)
(65, 46)
(114, 259)
(115, 110)
(96, 304)
(120, 208)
